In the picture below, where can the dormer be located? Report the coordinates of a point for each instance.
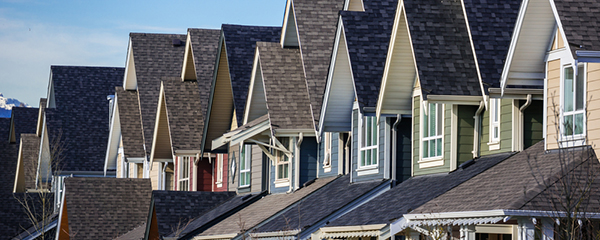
(130, 81)
(289, 32)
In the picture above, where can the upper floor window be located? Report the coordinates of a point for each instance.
(184, 173)
(245, 156)
(283, 162)
(327, 141)
(495, 120)
(573, 108)
(368, 141)
(432, 130)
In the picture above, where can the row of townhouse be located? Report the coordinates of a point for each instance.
(393, 119)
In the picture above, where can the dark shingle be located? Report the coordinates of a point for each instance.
(80, 120)
(131, 123)
(8, 158)
(24, 120)
(186, 120)
(492, 24)
(155, 58)
(442, 48)
(4, 127)
(135, 234)
(175, 209)
(367, 37)
(316, 23)
(285, 89)
(580, 20)
(105, 208)
(240, 45)
(30, 148)
(412, 193)
(319, 205)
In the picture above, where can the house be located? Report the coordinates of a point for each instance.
(227, 100)
(151, 58)
(102, 208)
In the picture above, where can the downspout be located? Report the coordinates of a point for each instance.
(520, 123)
(394, 149)
(347, 154)
(476, 138)
(164, 174)
(296, 184)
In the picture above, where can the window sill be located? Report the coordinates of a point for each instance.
(572, 141)
(367, 170)
(219, 184)
(282, 183)
(327, 168)
(494, 145)
(431, 162)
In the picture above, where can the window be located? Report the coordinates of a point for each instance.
(368, 141)
(283, 162)
(327, 142)
(245, 156)
(573, 102)
(432, 131)
(219, 169)
(184, 173)
(495, 120)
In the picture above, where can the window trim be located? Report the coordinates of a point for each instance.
(181, 181)
(436, 160)
(574, 139)
(282, 182)
(327, 139)
(219, 181)
(245, 156)
(375, 146)
(494, 142)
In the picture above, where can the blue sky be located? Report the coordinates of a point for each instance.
(35, 34)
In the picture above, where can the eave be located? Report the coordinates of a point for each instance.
(517, 93)
(452, 99)
(164, 147)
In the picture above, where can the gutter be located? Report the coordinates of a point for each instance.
(476, 136)
(588, 56)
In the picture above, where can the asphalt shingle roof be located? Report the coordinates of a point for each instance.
(135, 234)
(528, 180)
(13, 219)
(316, 23)
(580, 20)
(492, 25)
(30, 147)
(442, 48)
(240, 45)
(105, 208)
(186, 119)
(319, 205)
(175, 209)
(367, 37)
(80, 121)
(412, 193)
(285, 90)
(131, 123)
(155, 58)
(4, 129)
(262, 209)
(24, 121)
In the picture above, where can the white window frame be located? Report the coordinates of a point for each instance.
(327, 139)
(183, 183)
(573, 139)
(373, 147)
(245, 156)
(437, 160)
(282, 155)
(219, 182)
(495, 117)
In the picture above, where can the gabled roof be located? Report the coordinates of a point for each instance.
(176, 209)
(4, 129)
(80, 120)
(8, 157)
(131, 123)
(240, 45)
(412, 193)
(135, 234)
(184, 113)
(580, 20)
(104, 208)
(285, 92)
(13, 219)
(529, 180)
(218, 213)
(155, 58)
(319, 205)
(24, 120)
(367, 37)
(263, 209)
(316, 23)
(27, 163)
(491, 25)
(443, 53)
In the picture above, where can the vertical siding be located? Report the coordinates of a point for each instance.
(234, 154)
(465, 130)
(256, 169)
(593, 104)
(308, 160)
(553, 104)
(533, 118)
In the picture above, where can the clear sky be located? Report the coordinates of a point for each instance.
(35, 34)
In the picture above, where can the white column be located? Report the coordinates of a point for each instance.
(467, 232)
(547, 229)
(526, 229)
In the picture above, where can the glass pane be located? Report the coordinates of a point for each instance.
(243, 158)
(579, 88)
(432, 148)
(578, 124)
(432, 118)
(242, 179)
(496, 132)
(496, 109)
(369, 131)
(374, 156)
(425, 149)
(568, 88)
(368, 157)
(247, 178)
(439, 147)
(374, 132)
(568, 125)
(439, 119)
(425, 124)
(285, 170)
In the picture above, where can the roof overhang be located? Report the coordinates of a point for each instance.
(162, 150)
(286, 233)
(188, 71)
(517, 93)
(289, 30)
(215, 237)
(241, 134)
(130, 81)
(374, 230)
(114, 139)
(588, 56)
(455, 99)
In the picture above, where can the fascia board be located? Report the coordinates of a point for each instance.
(286, 16)
(243, 135)
(212, 91)
(517, 93)
(255, 70)
(333, 61)
(114, 136)
(458, 99)
(513, 44)
(187, 53)
(161, 100)
(129, 64)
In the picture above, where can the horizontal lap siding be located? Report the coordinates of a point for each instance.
(553, 104)
(593, 103)
(256, 169)
(506, 123)
(533, 118)
(308, 160)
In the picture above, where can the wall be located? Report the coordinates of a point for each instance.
(256, 169)
(465, 130)
(403, 148)
(506, 123)
(233, 157)
(552, 104)
(384, 131)
(334, 156)
(593, 104)
(417, 138)
(308, 159)
(533, 118)
(204, 171)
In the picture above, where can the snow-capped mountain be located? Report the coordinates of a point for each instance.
(6, 104)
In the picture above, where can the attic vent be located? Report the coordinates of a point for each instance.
(178, 43)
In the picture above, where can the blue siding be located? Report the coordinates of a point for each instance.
(334, 156)
(383, 126)
(308, 159)
(403, 148)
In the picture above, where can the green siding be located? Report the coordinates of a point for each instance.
(416, 132)
(533, 118)
(505, 129)
(465, 130)
(416, 139)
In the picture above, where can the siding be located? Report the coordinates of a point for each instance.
(204, 171)
(256, 169)
(465, 133)
(154, 175)
(403, 148)
(308, 159)
(506, 124)
(335, 161)
(222, 104)
(593, 104)
(416, 136)
(553, 104)
(533, 118)
(416, 142)
(383, 126)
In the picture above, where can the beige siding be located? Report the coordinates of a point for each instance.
(593, 103)
(154, 175)
(355, 5)
(256, 169)
(558, 42)
(222, 104)
(553, 101)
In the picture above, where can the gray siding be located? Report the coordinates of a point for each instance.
(334, 156)
(256, 169)
(308, 160)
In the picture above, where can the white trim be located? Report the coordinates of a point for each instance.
(374, 148)
(453, 137)
(129, 83)
(247, 162)
(513, 44)
(435, 160)
(180, 170)
(575, 139)
(220, 168)
(494, 142)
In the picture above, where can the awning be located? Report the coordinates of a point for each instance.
(454, 222)
(350, 231)
(372, 233)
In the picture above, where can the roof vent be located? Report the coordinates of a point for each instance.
(178, 43)
(466, 164)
